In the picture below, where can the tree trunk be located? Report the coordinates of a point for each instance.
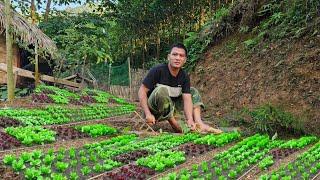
(9, 58)
(33, 11)
(46, 15)
(158, 45)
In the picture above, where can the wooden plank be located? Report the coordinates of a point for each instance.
(29, 74)
(70, 77)
(60, 81)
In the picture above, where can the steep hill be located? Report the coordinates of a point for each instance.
(235, 73)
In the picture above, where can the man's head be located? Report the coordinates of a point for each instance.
(177, 55)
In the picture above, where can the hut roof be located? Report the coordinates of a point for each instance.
(26, 32)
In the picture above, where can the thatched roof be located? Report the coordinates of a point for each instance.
(26, 32)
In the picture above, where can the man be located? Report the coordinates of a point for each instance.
(166, 88)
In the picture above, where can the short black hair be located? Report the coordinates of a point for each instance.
(179, 45)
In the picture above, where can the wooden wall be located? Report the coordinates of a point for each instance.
(16, 57)
(137, 76)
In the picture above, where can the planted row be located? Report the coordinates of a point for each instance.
(232, 162)
(60, 115)
(30, 135)
(66, 164)
(95, 130)
(162, 160)
(306, 166)
(218, 140)
(52, 94)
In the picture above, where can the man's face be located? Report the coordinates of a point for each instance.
(177, 57)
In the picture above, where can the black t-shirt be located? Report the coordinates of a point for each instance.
(160, 75)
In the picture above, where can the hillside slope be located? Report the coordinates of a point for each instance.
(285, 74)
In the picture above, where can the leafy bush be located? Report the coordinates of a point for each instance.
(270, 119)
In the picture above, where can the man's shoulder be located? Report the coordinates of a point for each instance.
(158, 68)
(184, 73)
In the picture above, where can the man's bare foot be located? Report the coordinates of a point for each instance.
(208, 129)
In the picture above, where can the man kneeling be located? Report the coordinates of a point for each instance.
(166, 90)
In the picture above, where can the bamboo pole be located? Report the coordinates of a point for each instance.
(130, 85)
(109, 77)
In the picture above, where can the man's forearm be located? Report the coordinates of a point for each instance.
(188, 107)
(143, 98)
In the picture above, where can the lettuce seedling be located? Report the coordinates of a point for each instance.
(85, 170)
(18, 165)
(48, 159)
(26, 157)
(98, 168)
(32, 173)
(45, 170)
(8, 159)
(73, 176)
(61, 166)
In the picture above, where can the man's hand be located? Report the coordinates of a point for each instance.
(150, 119)
(191, 124)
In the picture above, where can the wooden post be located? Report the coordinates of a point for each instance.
(129, 71)
(109, 77)
(36, 65)
(9, 58)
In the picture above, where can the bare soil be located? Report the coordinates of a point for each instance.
(285, 74)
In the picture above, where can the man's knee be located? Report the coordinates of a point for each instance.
(161, 91)
(196, 98)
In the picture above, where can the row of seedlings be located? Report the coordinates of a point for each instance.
(61, 115)
(67, 164)
(162, 156)
(306, 166)
(241, 158)
(84, 162)
(231, 163)
(52, 94)
(32, 135)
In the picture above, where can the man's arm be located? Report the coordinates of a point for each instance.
(143, 98)
(188, 109)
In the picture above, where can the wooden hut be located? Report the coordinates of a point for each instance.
(24, 32)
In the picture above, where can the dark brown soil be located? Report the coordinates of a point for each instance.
(67, 133)
(8, 174)
(8, 122)
(8, 142)
(129, 172)
(284, 74)
(131, 156)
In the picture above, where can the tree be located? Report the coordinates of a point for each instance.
(83, 39)
(10, 79)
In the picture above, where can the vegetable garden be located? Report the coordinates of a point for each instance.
(70, 135)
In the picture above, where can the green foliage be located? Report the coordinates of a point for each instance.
(17, 92)
(82, 38)
(197, 42)
(221, 13)
(288, 19)
(269, 119)
(31, 134)
(95, 130)
(266, 162)
(162, 160)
